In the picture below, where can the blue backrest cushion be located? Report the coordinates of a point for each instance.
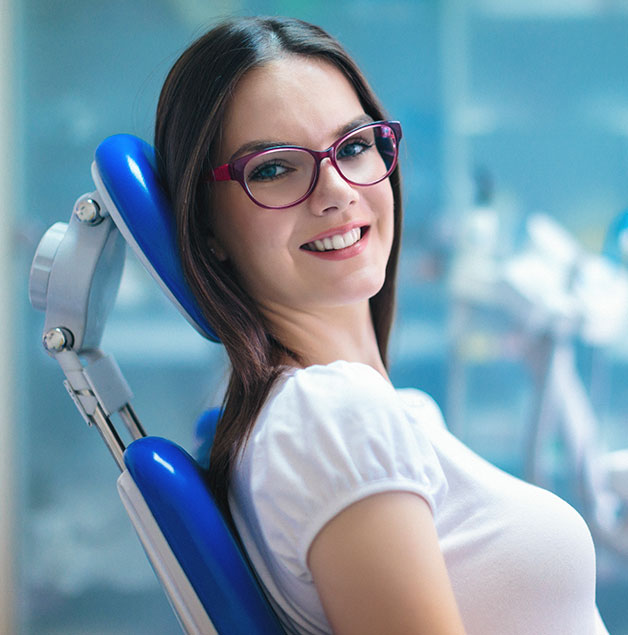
(204, 435)
(175, 490)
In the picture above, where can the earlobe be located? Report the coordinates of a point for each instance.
(216, 249)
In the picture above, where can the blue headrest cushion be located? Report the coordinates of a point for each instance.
(125, 172)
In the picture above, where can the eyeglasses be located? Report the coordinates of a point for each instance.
(283, 176)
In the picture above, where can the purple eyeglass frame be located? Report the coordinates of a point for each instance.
(234, 171)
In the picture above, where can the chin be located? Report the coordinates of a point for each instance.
(363, 289)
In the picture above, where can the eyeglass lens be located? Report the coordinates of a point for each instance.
(283, 176)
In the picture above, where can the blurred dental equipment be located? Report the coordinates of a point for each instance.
(556, 294)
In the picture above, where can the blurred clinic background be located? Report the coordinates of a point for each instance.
(513, 303)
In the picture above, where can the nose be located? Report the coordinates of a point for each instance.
(332, 192)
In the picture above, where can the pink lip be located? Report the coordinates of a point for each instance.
(337, 230)
(342, 254)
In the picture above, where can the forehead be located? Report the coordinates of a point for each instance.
(295, 100)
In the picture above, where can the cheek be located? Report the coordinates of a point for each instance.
(245, 240)
(253, 239)
(384, 203)
(234, 221)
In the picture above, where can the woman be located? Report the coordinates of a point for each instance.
(360, 513)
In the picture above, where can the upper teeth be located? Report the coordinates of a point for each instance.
(339, 241)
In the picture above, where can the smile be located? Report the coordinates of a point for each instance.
(337, 241)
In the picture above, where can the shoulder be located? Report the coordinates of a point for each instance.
(327, 437)
(341, 384)
(423, 406)
(332, 400)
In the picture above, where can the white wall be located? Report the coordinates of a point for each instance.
(7, 299)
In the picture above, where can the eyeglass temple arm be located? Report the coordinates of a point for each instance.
(222, 173)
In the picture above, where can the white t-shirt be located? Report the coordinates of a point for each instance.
(520, 560)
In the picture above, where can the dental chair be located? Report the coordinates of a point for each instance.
(74, 278)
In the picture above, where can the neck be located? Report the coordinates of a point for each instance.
(327, 335)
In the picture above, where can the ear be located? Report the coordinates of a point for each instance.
(216, 248)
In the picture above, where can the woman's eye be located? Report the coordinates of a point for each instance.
(267, 172)
(353, 148)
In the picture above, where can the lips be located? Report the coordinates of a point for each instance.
(335, 240)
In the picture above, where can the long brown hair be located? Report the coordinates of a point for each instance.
(190, 113)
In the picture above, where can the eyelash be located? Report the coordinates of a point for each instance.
(361, 142)
(255, 174)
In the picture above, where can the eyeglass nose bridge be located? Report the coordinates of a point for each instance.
(319, 156)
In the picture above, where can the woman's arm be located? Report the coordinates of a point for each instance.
(378, 568)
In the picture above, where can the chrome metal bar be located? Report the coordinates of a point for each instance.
(132, 423)
(110, 436)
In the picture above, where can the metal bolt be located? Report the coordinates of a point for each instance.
(88, 211)
(57, 339)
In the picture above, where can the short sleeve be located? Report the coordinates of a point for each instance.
(326, 438)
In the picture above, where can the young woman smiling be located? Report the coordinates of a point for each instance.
(359, 511)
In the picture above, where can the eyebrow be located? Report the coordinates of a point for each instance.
(263, 144)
